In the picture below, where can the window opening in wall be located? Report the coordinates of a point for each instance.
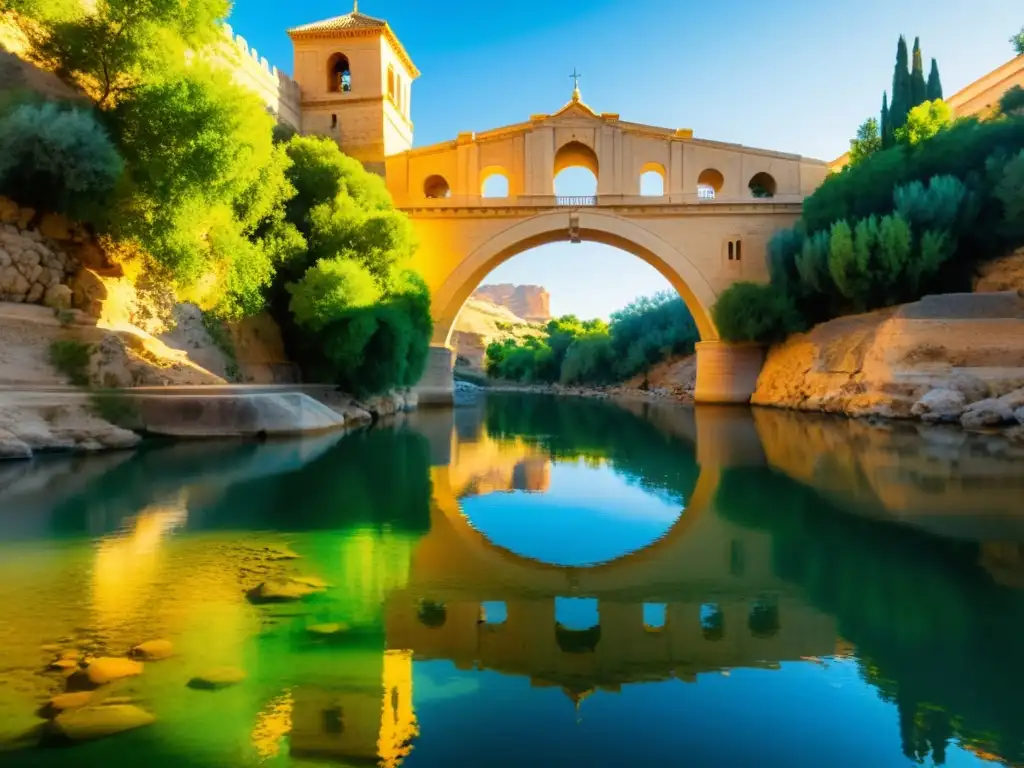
(730, 251)
(709, 184)
(432, 614)
(334, 121)
(340, 74)
(333, 720)
(493, 612)
(739, 252)
(436, 187)
(576, 173)
(737, 560)
(655, 615)
(391, 82)
(652, 180)
(763, 621)
(712, 621)
(495, 185)
(762, 185)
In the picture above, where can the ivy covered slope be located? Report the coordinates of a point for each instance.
(900, 223)
(168, 160)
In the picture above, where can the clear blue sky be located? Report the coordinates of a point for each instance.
(795, 76)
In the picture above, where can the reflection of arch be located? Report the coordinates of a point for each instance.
(762, 185)
(339, 74)
(710, 183)
(594, 226)
(577, 640)
(494, 182)
(432, 614)
(652, 180)
(576, 154)
(498, 558)
(763, 621)
(436, 186)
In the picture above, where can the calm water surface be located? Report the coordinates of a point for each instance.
(534, 582)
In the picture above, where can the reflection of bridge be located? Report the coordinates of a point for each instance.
(711, 582)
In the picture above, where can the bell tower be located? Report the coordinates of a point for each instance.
(356, 80)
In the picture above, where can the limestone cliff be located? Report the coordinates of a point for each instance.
(530, 302)
(481, 322)
(939, 358)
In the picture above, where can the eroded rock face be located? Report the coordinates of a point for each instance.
(886, 363)
(530, 302)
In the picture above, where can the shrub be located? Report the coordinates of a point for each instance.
(590, 359)
(924, 121)
(329, 289)
(56, 158)
(71, 358)
(1012, 101)
(755, 312)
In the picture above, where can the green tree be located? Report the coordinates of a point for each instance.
(330, 289)
(109, 47)
(902, 93)
(1012, 102)
(867, 142)
(1017, 41)
(58, 159)
(918, 86)
(933, 89)
(924, 121)
(205, 187)
(847, 273)
(755, 312)
(886, 126)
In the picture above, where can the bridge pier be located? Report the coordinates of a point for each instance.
(437, 387)
(727, 373)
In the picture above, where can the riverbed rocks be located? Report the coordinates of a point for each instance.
(949, 358)
(153, 650)
(98, 722)
(218, 678)
(286, 590)
(38, 422)
(108, 669)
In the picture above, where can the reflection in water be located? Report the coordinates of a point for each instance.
(537, 566)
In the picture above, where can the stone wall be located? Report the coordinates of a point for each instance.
(34, 268)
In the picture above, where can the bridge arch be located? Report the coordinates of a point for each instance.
(594, 226)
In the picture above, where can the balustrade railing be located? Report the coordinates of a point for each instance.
(575, 201)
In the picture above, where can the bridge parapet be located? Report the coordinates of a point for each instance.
(599, 201)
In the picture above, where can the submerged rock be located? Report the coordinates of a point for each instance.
(64, 702)
(326, 630)
(153, 650)
(215, 679)
(285, 590)
(987, 413)
(98, 722)
(105, 670)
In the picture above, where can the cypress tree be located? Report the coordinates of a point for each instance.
(900, 104)
(887, 137)
(918, 87)
(934, 87)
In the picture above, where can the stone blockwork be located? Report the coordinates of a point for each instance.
(34, 268)
(949, 358)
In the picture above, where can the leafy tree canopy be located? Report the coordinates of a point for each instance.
(924, 121)
(867, 142)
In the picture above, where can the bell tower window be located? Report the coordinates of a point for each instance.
(339, 74)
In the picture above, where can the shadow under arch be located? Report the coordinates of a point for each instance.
(498, 559)
(594, 226)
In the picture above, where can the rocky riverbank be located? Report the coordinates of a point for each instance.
(955, 358)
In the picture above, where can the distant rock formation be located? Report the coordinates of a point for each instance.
(530, 302)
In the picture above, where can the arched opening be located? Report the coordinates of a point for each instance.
(391, 82)
(709, 184)
(576, 172)
(762, 185)
(655, 616)
(712, 621)
(652, 180)
(339, 74)
(431, 614)
(577, 624)
(763, 621)
(436, 187)
(493, 612)
(494, 182)
(595, 226)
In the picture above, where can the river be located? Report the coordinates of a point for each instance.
(535, 581)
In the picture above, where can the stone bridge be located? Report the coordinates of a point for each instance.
(700, 212)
